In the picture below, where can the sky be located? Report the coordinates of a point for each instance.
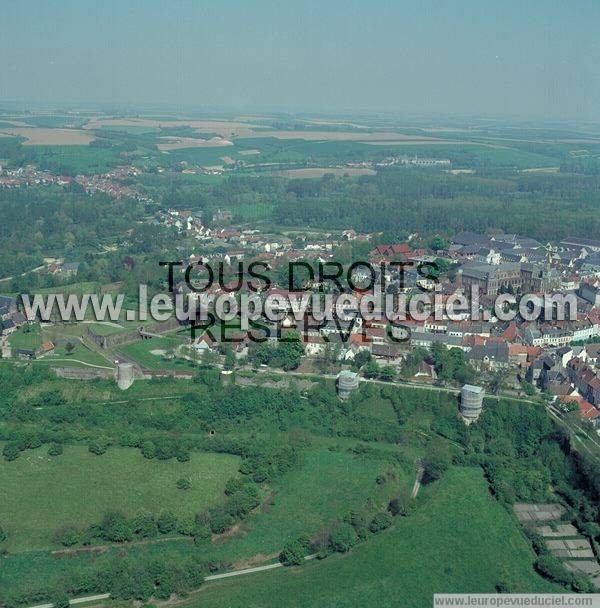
(535, 59)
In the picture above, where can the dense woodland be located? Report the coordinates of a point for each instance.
(403, 201)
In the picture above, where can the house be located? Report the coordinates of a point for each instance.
(523, 355)
(585, 379)
(589, 293)
(47, 348)
(389, 252)
(492, 355)
(593, 354)
(492, 279)
(426, 339)
(573, 242)
(472, 239)
(426, 371)
(313, 345)
(488, 256)
(8, 327)
(8, 306)
(68, 270)
(204, 344)
(586, 410)
(386, 352)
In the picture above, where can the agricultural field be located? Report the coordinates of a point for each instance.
(40, 136)
(75, 159)
(41, 493)
(459, 540)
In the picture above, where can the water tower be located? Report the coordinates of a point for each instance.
(125, 375)
(347, 382)
(471, 402)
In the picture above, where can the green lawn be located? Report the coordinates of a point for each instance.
(141, 352)
(459, 540)
(102, 329)
(28, 336)
(39, 493)
(81, 356)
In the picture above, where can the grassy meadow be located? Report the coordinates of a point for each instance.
(459, 540)
(41, 493)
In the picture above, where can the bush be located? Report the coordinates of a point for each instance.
(220, 521)
(400, 505)
(167, 522)
(98, 446)
(183, 483)
(145, 526)
(342, 538)
(60, 600)
(148, 449)
(201, 533)
(294, 551)
(233, 485)
(11, 451)
(55, 449)
(553, 569)
(358, 522)
(436, 462)
(186, 527)
(115, 527)
(380, 521)
(67, 536)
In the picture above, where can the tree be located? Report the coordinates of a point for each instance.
(115, 527)
(229, 358)
(2, 534)
(294, 551)
(55, 449)
(400, 504)
(98, 446)
(67, 536)
(342, 538)
(145, 526)
(361, 358)
(436, 462)
(528, 388)
(60, 600)
(11, 450)
(497, 381)
(371, 369)
(69, 348)
(167, 522)
(387, 373)
(380, 521)
(438, 242)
